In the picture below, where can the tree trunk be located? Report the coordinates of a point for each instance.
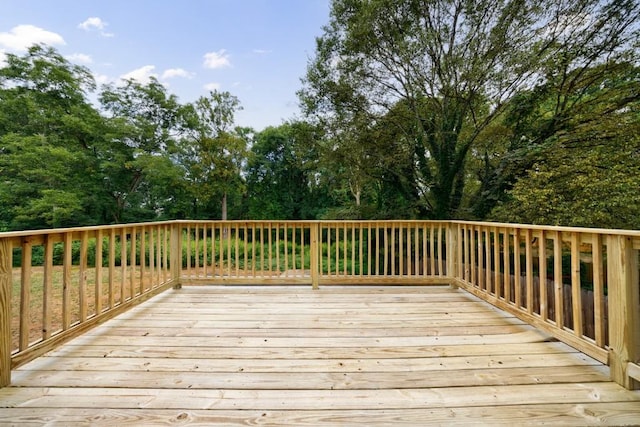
(225, 230)
(224, 206)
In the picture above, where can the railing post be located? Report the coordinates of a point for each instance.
(314, 254)
(624, 308)
(176, 254)
(452, 252)
(5, 311)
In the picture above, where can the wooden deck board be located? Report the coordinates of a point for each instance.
(293, 356)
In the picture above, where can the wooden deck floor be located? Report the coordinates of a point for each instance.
(294, 356)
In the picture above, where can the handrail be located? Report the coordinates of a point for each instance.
(56, 284)
(579, 285)
(344, 252)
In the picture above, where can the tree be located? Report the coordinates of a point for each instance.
(280, 181)
(453, 66)
(575, 109)
(597, 187)
(214, 152)
(49, 139)
(143, 126)
(40, 90)
(588, 172)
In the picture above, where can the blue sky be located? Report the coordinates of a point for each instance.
(255, 49)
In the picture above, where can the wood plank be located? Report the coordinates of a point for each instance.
(47, 289)
(232, 399)
(318, 380)
(310, 317)
(519, 337)
(98, 272)
(624, 340)
(70, 350)
(598, 291)
(542, 276)
(310, 331)
(557, 414)
(66, 282)
(25, 295)
(306, 310)
(82, 276)
(291, 355)
(576, 293)
(214, 364)
(6, 283)
(317, 323)
(289, 290)
(558, 285)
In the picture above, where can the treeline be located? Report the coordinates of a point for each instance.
(411, 109)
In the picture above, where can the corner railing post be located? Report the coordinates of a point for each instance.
(624, 307)
(176, 254)
(315, 254)
(452, 252)
(5, 311)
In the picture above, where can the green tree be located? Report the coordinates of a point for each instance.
(214, 152)
(596, 187)
(575, 109)
(50, 136)
(280, 174)
(588, 172)
(452, 66)
(143, 125)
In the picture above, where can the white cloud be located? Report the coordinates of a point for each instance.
(212, 86)
(177, 72)
(102, 79)
(80, 58)
(141, 75)
(3, 58)
(92, 23)
(95, 23)
(219, 59)
(21, 37)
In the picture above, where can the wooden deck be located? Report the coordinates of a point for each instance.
(337, 356)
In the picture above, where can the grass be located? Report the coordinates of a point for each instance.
(55, 304)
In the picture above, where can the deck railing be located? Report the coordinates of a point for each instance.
(326, 252)
(581, 286)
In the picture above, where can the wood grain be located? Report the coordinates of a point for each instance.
(5, 311)
(336, 356)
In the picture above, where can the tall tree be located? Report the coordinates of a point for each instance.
(144, 123)
(214, 152)
(588, 170)
(280, 181)
(50, 136)
(453, 65)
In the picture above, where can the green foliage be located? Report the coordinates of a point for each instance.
(514, 111)
(63, 163)
(563, 122)
(281, 178)
(595, 187)
(435, 79)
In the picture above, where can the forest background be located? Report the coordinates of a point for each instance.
(519, 111)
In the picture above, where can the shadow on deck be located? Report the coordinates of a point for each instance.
(272, 355)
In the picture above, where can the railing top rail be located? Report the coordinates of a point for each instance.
(603, 231)
(311, 221)
(44, 231)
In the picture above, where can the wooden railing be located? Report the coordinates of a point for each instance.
(581, 286)
(55, 284)
(345, 252)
